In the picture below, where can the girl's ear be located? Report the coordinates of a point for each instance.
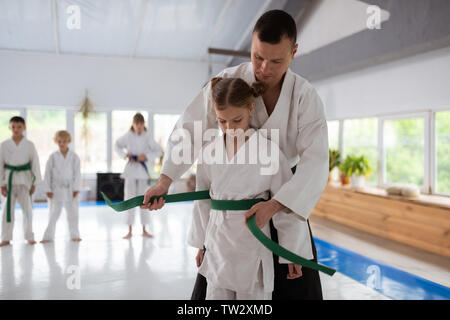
(252, 107)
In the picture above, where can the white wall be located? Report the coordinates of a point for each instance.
(42, 79)
(417, 83)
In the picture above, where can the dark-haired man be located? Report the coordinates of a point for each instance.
(290, 105)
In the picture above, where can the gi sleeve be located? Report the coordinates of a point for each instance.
(292, 230)
(199, 115)
(76, 173)
(200, 215)
(48, 175)
(303, 190)
(121, 145)
(35, 167)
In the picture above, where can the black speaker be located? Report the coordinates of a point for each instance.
(111, 184)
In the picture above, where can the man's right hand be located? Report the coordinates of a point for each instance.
(160, 188)
(4, 191)
(50, 195)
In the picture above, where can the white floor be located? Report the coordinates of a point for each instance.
(109, 267)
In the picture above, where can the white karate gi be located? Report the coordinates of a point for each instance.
(16, 155)
(303, 136)
(62, 178)
(135, 175)
(235, 264)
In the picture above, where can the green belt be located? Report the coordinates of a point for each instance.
(227, 205)
(23, 167)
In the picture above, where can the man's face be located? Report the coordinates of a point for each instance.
(271, 61)
(17, 128)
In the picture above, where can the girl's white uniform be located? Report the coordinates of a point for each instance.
(235, 264)
(62, 178)
(135, 175)
(16, 155)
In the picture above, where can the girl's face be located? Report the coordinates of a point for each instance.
(233, 118)
(62, 143)
(138, 127)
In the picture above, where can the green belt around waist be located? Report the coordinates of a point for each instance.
(227, 205)
(12, 169)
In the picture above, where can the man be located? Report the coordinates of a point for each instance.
(290, 105)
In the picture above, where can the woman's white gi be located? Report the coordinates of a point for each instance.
(135, 175)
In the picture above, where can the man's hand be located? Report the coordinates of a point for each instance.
(75, 193)
(49, 195)
(199, 257)
(141, 158)
(5, 191)
(33, 188)
(295, 271)
(160, 188)
(263, 212)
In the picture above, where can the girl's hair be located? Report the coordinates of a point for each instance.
(138, 118)
(63, 134)
(235, 92)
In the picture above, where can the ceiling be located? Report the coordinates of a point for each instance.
(169, 29)
(163, 29)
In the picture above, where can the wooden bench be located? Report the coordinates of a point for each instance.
(423, 222)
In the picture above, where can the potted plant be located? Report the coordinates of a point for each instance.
(343, 169)
(334, 161)
(357, 168)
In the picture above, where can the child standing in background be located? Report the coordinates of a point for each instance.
(62, 185)
(140, 149)
(19, 174)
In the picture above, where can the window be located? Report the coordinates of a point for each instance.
(442, 143)
(404, 150)
(360, 138)
(121, 123)
(91, 141)
(164, 124)
(41, 128)
(333, 134)
(5, 115)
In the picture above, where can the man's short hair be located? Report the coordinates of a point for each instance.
(17, 119)
(273, 25)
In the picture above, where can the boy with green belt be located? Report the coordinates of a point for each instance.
(19, 174)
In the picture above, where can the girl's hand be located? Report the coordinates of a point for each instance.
(75, 193)
(33, 188)
(4, 191)
(295, 271)
(199, 257)
(141, 158)
(50, 195)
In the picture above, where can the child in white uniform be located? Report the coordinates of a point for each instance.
(62, 186)
(234, 263)
(14, 153)
(140, 149)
